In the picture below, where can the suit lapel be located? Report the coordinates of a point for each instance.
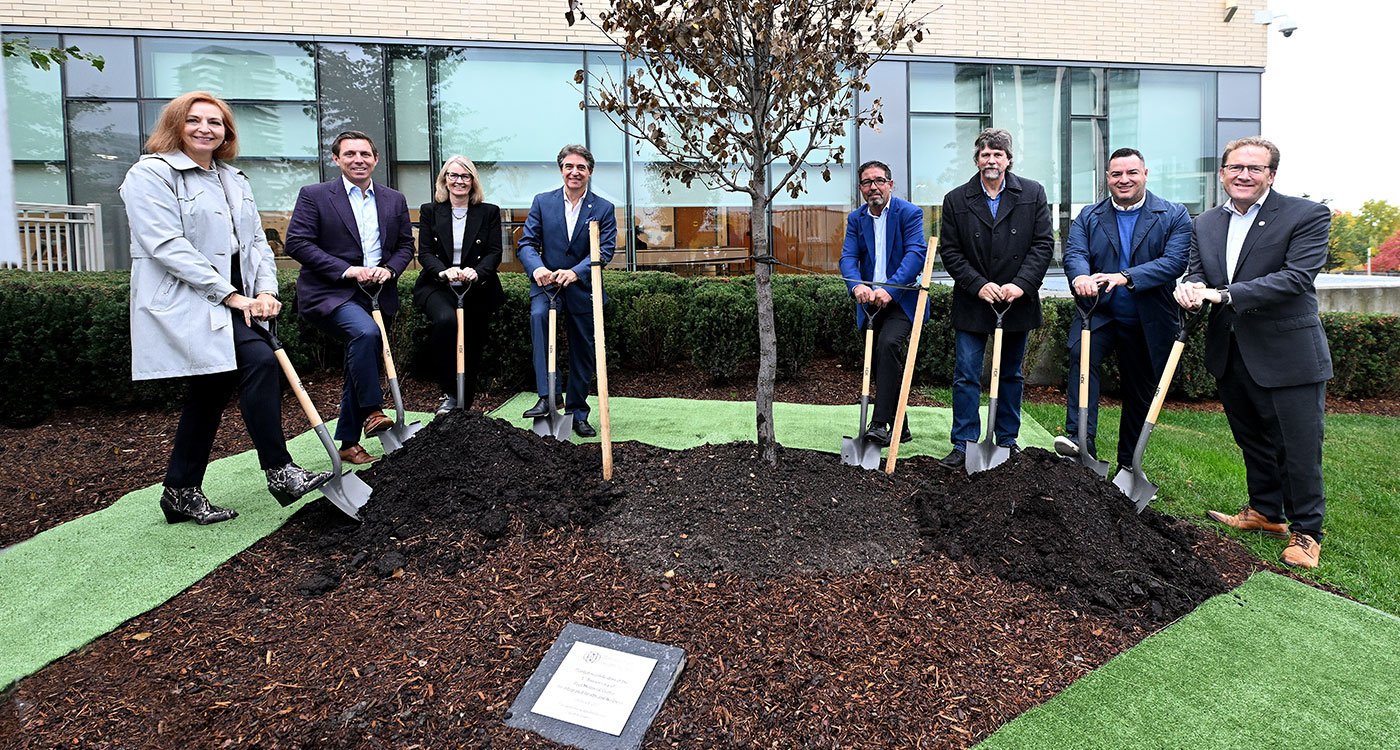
(442, 224)
(1212, 248)
(977, 202)
(1010, 189)
(585, 213)
(341, 201)
(473, 225)
(1144, 225)
(1108, 224)
(386, 216)
(867, 233)
(1257, 228)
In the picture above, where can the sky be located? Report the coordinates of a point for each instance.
(1329, 100)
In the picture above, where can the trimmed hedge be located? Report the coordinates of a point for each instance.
(64, 337)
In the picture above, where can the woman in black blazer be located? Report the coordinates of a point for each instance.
(459, 239)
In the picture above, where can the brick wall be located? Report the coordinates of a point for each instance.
(1182, 32)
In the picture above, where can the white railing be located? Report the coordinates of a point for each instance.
(55, 237)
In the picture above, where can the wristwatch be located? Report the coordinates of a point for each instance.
(1224, 295)
(1128, 280)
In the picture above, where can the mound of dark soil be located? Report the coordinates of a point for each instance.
(1052, 523)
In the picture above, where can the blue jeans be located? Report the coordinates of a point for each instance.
(352, 325)
(967, 387)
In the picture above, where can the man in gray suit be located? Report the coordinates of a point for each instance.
(1256, 258)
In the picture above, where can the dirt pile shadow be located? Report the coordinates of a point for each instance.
(1052, 523)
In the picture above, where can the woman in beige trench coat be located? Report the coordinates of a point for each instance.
(202, 276)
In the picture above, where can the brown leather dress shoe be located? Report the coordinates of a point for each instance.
(376, 423)
(1249, 519)
(355, 454)
(1302, 551)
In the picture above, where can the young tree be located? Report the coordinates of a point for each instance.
(1354, 237)
(743, 96)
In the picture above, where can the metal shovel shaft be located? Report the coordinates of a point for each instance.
(553, 424)
(986, 454)
(859, 451)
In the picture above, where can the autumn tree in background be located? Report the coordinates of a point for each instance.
(741, 95)
(1353, 237)
(1387, 257)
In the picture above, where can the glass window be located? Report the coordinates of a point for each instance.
(1170, 117)
(105, 140)
(947, 87)
(940, 149)
(1026, 101)
(116, 80)
(509, 111)
(235, 69)
(45, 182)
(808, 230)
(1239, 96)
(35, 101)
(1087, 91)
(408, 88)
(1087, 161)
(352, 98)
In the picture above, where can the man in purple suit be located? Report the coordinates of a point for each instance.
(554, 248)
(344, 233)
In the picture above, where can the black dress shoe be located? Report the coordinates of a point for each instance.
(583, 429)
(879, 434)
(540, 409)
(904, 434)
(955, 459)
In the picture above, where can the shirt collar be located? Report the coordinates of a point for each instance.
(1133, 207)
(352, 186)
(1230, 205)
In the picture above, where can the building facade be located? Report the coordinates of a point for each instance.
(493, 81)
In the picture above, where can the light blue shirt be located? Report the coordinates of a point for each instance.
(881, 272)
(366, 211)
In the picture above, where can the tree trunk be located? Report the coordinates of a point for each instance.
(767, 335)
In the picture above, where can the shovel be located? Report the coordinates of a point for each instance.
(1131, 480)
(460, 289)
(1086, 459)
(553, 424)
(859, 450)
(346, 491)
(986, 454)
(393, 438)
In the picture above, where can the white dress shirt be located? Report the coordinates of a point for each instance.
(366, 210)
(1239, 228)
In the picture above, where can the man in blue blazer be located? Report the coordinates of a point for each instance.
(884, 245)
(554, 248)
(1128, 249)
(346, 232)
(1257, 258)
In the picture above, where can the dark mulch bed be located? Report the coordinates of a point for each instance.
(815, 602)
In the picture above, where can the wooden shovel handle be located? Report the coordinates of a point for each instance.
(1084, 367)
(307, 408)
(865, 370)
(1165, 382)
(600, 347)
(996, 363)
(925, 279)
(461, 349)
(553, 323)
(384, 344)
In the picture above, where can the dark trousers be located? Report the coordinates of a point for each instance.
(352, 325)
(892, 328)
(1279, 431)
(1137, 380)
(579, 328)
(259, 399)
(441, 308)
(968, 350)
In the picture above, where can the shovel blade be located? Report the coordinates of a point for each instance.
(554, 425)
(1093, 464)
(1136, 486)
(860, 452)
(985, 455)
(393, 438)
(348, 493)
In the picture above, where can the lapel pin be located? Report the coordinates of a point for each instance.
(1261, 222)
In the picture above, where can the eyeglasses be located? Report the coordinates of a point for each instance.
(876, 182)
(1254, 169)
(455, 177)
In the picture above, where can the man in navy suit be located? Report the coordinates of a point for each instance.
(1128, 249)
(554, 248)
(1256, 258)
(884, 245)
(346, 232)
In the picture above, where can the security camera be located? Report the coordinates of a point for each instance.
(1287, 28)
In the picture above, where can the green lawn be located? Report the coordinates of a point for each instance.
(1194, 460)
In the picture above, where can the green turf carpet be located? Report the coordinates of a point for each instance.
(80, 580)
(679, 424)
(1273, 664)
